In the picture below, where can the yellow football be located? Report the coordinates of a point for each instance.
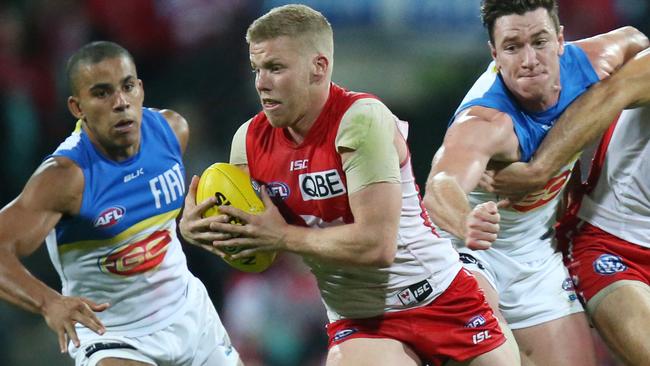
(232, 186)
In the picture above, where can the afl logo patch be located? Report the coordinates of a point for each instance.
(567, 284)
(278, 189)
(109, 217)
(608, 264)
(476, 321)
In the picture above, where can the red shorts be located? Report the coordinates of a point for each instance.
(597, 259)
(458, 324)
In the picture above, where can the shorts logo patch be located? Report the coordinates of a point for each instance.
(415, 293)
(341, 334)
(481, 336)
(469, 259)
(476, 321)
(608, 264)
(567, 285)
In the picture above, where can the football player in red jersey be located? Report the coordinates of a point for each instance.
(341, 193)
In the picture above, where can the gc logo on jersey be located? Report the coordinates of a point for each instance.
(608, 264)
(109, 217)
(545, 195)
(138, 257)
(321, 185)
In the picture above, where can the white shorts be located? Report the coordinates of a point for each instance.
(530, 293)
(196, 338)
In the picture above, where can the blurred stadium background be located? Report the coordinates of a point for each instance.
(418, 56)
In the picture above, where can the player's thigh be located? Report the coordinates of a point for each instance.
(490, 293)
(372, 352)
(121, 362)
(622, 318)
(504, 355)
(563, 341)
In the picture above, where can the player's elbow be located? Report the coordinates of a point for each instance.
(637, 37)
(635, 41)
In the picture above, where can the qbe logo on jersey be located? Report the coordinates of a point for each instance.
(321, 185)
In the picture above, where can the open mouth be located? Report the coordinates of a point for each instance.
(269, 104)
(124, 125)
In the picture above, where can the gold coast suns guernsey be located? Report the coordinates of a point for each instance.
(308, 184)
(122, 248)
(526, 227)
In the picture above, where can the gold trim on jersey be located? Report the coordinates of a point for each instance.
(155, 221)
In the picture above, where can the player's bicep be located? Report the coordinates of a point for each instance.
(54, 189)
(462, 157)
(609, 51)
(377, 209)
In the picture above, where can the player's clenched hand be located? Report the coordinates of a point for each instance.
(61, 313)
(263, 232)
(193, 227)
(482, 226)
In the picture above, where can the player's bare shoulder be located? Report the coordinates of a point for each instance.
(486, 129)
(56, 185)
(179, 124)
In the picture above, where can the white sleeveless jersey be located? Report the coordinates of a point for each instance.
(122, 247)
(620, 202)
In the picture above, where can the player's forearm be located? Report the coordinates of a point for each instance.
(19, 287)
(591, 114)
(447, 204)
(350, 244)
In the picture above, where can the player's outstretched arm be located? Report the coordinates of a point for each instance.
(54, 189)
(477, 136)
(583, 122)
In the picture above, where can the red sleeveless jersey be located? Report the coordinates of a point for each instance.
(305, 180)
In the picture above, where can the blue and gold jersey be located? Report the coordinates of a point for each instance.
(525, 227)
(122, 247)
(576, 75)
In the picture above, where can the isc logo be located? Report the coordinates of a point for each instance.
(481, 336)
(321, 185)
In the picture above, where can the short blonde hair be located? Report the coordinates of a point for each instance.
(296, 21)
